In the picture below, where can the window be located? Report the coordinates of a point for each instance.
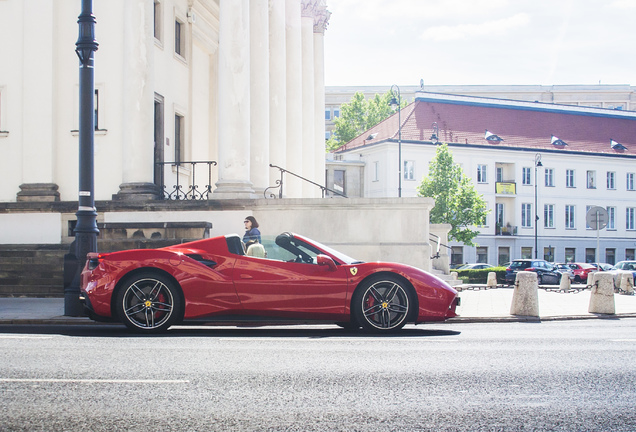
(629, 254)
(327, 135)
(482, 254)
(570, 255)
(336, 112)
(96, 107)
(611, 180)
(569, 178)
(591, 179)
(549, 177)
(569, 217)
(526, 215)
(457, 255)
(178, 139)
(548, 215)
(611, 218)
(610, 256)
(630, 218)
(630, 181)
(525, 176)
(482, 171)
(590, 255)
(409, 170)
(499, 174)
(548, 253)
(157, 20)
(503, 255)
(327, 113)
(376, 171)
(339, 181)
(526, 253)
(179, 39)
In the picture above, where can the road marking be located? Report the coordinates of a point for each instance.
(24, 337)
(92, 381)
(622, 340)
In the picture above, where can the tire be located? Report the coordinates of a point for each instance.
(148, 303)
(539, 279)
(382, 304)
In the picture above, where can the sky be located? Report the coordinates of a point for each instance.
(473, 42)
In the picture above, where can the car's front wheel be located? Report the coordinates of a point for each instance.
(382, 304)
(148, 302)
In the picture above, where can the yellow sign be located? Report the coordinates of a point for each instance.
(506, 188)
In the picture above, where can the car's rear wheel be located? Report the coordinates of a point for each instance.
(148, 302)
(382, 304)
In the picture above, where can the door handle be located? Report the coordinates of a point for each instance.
(246, 276)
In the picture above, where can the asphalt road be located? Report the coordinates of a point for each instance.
(550, 376)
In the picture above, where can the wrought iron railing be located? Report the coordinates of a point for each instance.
(436, 239)
(183, 191)
(279, 184)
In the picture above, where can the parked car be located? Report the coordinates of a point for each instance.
(581, 271)
(299, 280)
(603, 266)
(622, 267)
(475, 266)
(564, 269)
(546, 273)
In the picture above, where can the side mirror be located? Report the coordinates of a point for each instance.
(324, 260)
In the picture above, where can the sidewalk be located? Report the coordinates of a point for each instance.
(484, 305)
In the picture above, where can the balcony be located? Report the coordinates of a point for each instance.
(507, 230)
(506, 188)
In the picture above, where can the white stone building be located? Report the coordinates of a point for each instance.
(586, 172)
(238, 82)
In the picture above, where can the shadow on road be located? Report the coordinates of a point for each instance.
(309, 332)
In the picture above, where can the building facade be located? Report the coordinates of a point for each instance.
(573, 158)
(184, 90)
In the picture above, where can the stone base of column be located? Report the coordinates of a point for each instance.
(236, 189)
(38, 192)
(137, 192)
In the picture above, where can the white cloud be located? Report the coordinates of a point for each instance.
(466, 31)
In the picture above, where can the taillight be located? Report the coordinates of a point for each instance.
(531, 269)
(94, 260)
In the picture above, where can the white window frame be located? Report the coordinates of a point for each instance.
(630, 181)
(409, 170)
(482, 173)
(570, 178)
(591, 179)
(630, 218)
(611, 180)
(158, 22)
(570, 216)
(376, 171)
(611, 218)
(548, 215)
(526, 215)
(526, 176)
(549, 177)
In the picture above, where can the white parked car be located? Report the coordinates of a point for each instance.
(623, 267)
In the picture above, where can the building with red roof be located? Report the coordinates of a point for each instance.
(582, 156)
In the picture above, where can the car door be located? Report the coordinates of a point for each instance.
(277, 288)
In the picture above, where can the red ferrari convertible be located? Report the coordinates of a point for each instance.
(287, 279)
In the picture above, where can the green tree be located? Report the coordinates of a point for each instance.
(456, 201)
(359, 115)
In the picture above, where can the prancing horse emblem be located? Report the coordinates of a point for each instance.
(354, 270)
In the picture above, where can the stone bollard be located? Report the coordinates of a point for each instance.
(492, 280)
(525, 298)
(602, 296)
(565, 282)
(627, 284)
(590, 279)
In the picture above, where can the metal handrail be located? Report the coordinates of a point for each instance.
(279, 184)
(193, 192)
(437, 240)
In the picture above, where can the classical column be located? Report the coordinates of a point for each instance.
(277, 89)
(234, 101)
(308, 153)
(38, 128)
(259, 95)
(293, 186)
(321, 19)
(137, 136)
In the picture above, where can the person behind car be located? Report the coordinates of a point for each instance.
(251, 230)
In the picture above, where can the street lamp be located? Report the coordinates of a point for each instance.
(537, 164)
(396, 103)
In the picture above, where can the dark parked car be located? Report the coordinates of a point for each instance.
(546, 273)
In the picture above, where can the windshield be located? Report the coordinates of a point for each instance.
(288, 247)
(519, 264)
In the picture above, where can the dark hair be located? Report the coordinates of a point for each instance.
(253, 220)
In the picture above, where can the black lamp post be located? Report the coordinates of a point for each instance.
(86, 229)
(396, 103)
(537, 164)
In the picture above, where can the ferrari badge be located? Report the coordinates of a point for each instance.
(354, 270)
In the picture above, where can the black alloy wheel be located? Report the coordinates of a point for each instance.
(382, 304)
(148, 303)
